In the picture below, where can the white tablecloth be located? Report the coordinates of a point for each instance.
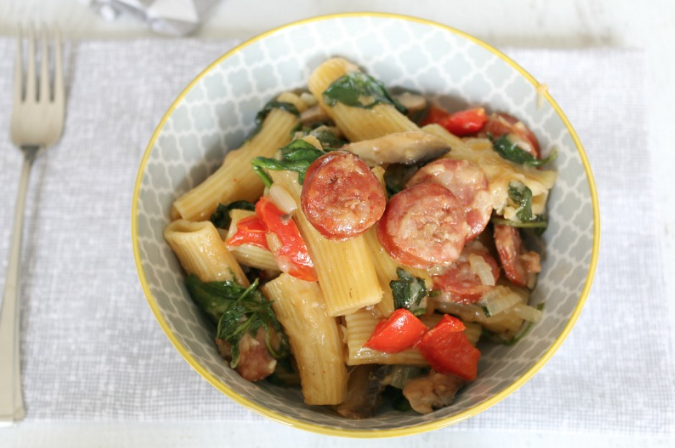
(93, 352)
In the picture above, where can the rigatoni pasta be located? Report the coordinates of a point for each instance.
(314, 337)
(201, 251)
(356, 123)
(246, 254)
(235, 180)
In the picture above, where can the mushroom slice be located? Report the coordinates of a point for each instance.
(313, 114)
(412, 102)
(432, 392)
(363, 393)
(408, 148)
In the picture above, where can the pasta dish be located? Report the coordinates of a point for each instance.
(362, 241)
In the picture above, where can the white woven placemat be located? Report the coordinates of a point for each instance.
(92, 350)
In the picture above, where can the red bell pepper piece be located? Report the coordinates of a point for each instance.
(250, 230)
(435, 116)
(454, 323)
(292, 256)
(401, 331)
(448, 350)
(460, 123)
(466, 122)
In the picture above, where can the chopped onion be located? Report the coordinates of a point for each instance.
(482, 269)
(312, 140)
(284, 263)
(445, 304)
(313, 114)
(473, 332)
(437, 270)
(378, 171)
(528, 313)
(274, 243)
(499, 299)
(399, 375)
(308, 98)
(283, 199)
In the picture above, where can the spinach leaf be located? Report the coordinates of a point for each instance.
(307, 128)
(356, 89)
(266, 179)
(221, 217)
(398, 401)
(237, 309)
(265, 111)
(250, 312)
(296, 156)
(521, 195)
(510, 151)
(213, 297)
(408, 291)
(396, 176)
(323, 131)
(328, 139)
(539, 223)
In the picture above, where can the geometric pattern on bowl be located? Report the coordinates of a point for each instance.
(215, 113)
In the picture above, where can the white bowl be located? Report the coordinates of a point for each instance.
(216, 111)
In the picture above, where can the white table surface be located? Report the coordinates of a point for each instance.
(647, 25)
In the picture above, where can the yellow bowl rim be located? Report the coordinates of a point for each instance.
(411, 430)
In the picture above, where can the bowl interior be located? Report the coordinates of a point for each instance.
(215, 113)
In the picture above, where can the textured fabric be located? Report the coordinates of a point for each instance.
(92, 350)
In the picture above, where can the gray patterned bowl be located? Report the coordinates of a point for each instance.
(214, 113)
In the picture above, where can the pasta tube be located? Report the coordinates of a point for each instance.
(356, 123)
(314, 338)
(247, 254)
(235, 180)
(201, 251)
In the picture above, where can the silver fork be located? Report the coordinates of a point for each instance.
(37, 123)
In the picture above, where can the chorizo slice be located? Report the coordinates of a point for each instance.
(423, 226)
(520, 267)
(461, 281)
(499, 124)
(341, 197)
(467, 182)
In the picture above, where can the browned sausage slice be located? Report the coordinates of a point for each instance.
(520, 267)
(341, 197)
(467, 181)
(460, 281)
(500, 123)
(423, 226)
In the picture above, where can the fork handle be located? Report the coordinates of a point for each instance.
(11, 397)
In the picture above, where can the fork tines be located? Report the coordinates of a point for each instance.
(27, 92)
